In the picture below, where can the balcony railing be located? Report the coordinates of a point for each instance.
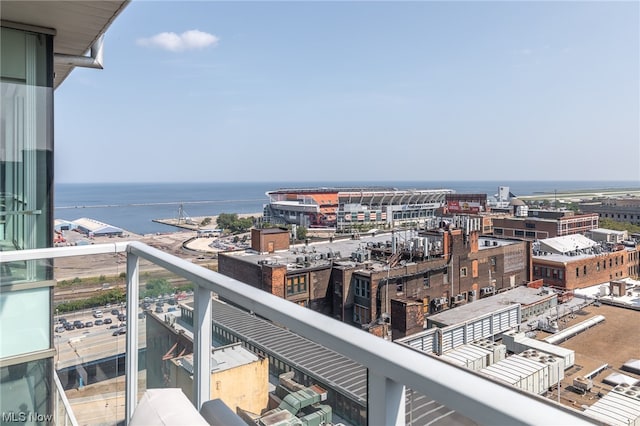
(63, 414)
(391, 367)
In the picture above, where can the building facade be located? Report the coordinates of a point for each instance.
(620, 210)
(572, 264)
(367, 282)
(33, 38)
(541, 224)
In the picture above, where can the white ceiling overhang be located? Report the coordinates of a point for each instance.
(76, 24)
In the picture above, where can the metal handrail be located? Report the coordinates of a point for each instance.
(391, 366)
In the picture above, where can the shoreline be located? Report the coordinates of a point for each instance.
(196, 220)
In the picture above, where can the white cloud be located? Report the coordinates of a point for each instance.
(188, 40)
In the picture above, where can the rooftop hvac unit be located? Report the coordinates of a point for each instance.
(582, 383)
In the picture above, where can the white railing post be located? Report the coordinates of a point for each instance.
(131, 357)
(202, 329)
(386, 402)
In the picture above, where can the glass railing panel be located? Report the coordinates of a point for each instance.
(63, 414)
(89, 314)
(162, 340)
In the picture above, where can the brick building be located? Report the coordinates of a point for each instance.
(269, 240)
(406, 276)
(542, 224)
(571, 262)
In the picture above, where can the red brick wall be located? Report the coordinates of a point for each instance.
(268, 240)
(274, 278)
(596, 272)
(406, 318)
(239, 269)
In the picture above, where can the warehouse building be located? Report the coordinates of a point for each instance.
(95, 228)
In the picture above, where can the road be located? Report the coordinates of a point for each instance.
(88, 344)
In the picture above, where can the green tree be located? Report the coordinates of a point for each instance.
(206, 221)
(619, 226)
(243, 225)
(301, 232)
(226, 220)
(231, 222)
(157, 286)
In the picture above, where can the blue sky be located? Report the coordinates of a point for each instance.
(357, 91)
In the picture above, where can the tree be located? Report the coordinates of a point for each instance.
(206, 221)
(301, 232)
(156, 287)
(226, 220)
(231, 222)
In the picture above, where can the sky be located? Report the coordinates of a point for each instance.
(357, 91)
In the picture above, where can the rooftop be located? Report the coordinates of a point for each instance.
(519, 295)
(223, 358)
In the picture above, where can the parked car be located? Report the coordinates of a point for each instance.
(59, 329)
(172, 309)
(77, 323)
(107, 321)
(159, 309)
(88, 324)
(113, 327)
(99, 322)
(120, 331)
(115, 312)
(122, 317)
(97, 314)
(69, 327)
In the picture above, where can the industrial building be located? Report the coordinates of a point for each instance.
(308, 363)
(239, 377)
(617, 209)
(574, 261)
(386, 283)
(95, 228)
(532, 224)
(349, 209)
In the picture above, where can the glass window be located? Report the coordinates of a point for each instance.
(296, 285)
(26, 321)
(26, 129)
(25, 388)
